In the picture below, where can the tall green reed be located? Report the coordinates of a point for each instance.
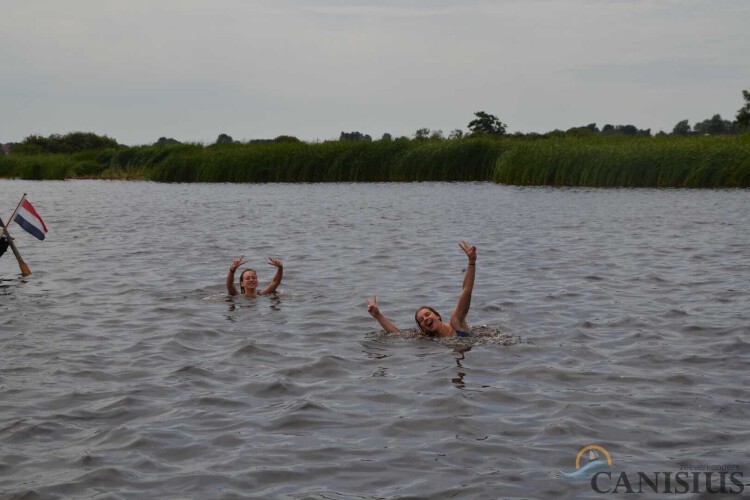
(379, 161)
(719, 161)
(561, 161)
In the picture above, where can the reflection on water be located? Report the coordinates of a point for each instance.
(460, 354)
(600, 316)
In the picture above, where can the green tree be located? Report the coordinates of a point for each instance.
(486, 124)
(286, 139)
(354, 136)
(627, 129)
(580, 132)
(436, 135)
(163, 141)
(681, 128)
(456, 134)
(422, 134)
(630, 130)
(592, 127)
(72, 142)
(743, 115)
(224, 139)
(713, 126)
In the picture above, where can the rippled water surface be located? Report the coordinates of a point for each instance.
(609, 317)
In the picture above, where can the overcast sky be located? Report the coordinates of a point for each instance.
(137, 70)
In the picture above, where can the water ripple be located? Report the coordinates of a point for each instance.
(610, 317)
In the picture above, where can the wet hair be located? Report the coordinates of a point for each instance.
(242, 275)
(417, 320)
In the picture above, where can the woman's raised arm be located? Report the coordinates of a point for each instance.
(374, 310)
(276, 281)
(464, 301)
(230, 275)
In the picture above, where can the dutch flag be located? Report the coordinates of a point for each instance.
(28, 219)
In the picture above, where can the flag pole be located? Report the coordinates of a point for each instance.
(5, 228)
(25, 271)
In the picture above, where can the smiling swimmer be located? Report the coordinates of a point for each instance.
(427, 318)
(249, 279)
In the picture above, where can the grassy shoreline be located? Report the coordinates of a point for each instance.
(614, 161)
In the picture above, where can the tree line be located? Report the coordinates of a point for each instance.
(483, 125)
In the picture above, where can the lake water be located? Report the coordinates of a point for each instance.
(608, 317)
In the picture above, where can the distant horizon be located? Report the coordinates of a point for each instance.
(373, 137)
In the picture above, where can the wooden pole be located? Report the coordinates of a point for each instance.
(5, 228)
(25, 271)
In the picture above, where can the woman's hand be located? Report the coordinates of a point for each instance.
(372, 307)
(470, 251)
(374, 310)
(231, 289)
(275, 262)
(237, 263)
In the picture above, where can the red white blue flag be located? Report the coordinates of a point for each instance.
(28, 219)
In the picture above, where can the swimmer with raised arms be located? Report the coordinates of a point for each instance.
(428, 319)
(249, 279)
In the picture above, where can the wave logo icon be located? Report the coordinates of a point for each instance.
(598, 459)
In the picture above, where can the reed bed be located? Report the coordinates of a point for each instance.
(43, 166)
(381, 161)
(719, 161)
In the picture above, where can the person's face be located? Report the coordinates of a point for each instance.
(249, 280)
(427, 320)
